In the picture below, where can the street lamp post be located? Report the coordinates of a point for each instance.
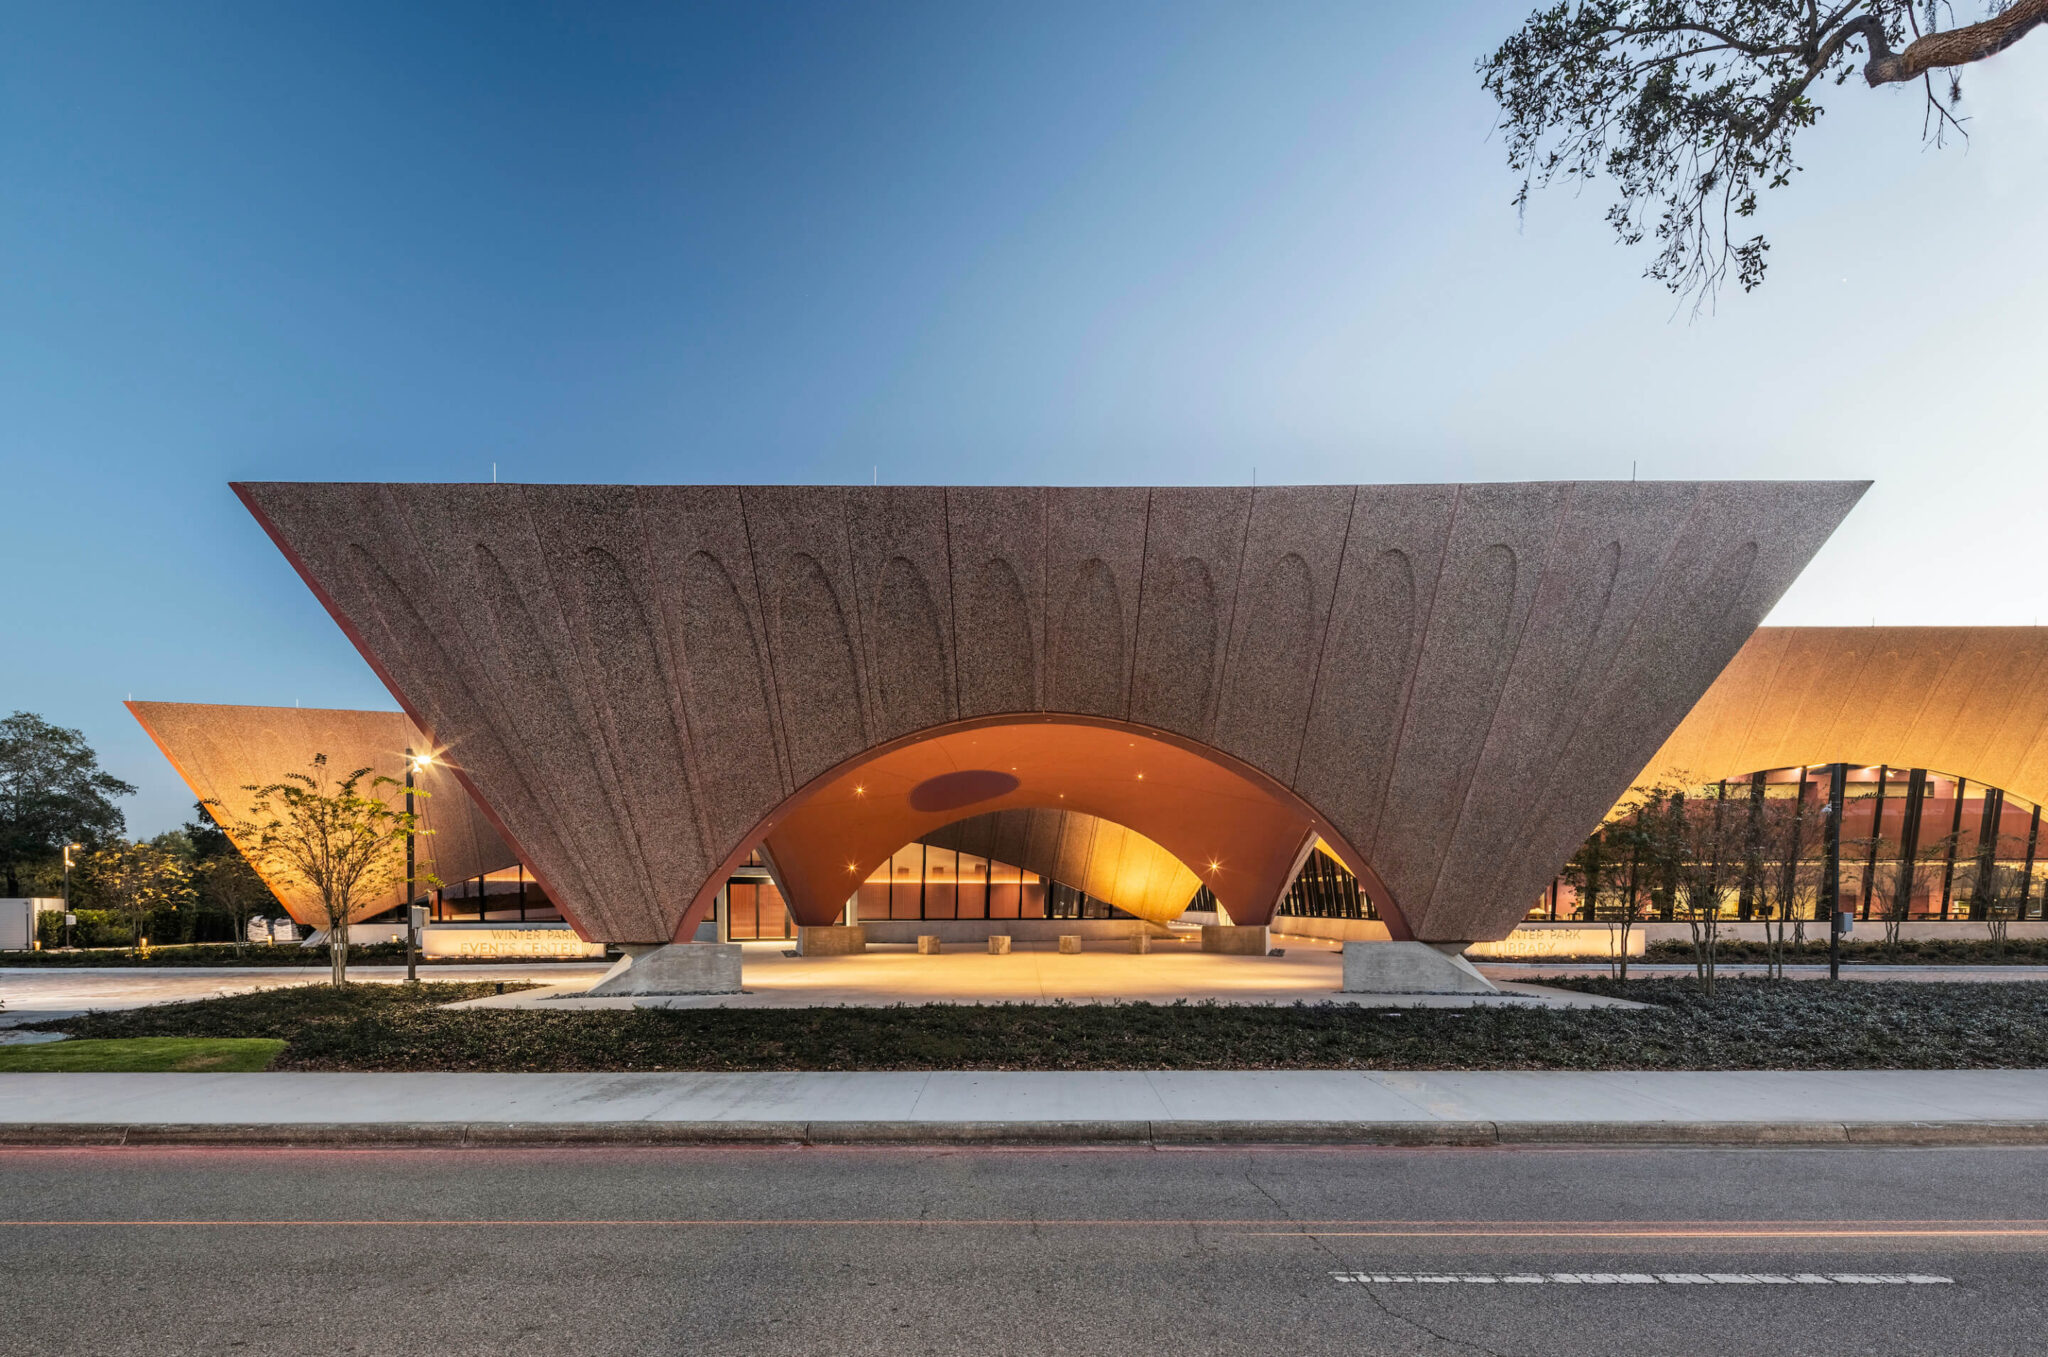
(1831, 864)
(412, 941)
(67, 892)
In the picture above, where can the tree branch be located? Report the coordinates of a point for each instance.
(1956, 47)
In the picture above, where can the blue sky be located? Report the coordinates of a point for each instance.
(1050, 244)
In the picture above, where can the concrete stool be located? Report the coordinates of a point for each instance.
(1141, 942)
(1070, 943)
(928, 944)
(999, 944)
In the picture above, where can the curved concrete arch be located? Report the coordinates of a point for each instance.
(219, 750)
(1106, 860)
(1970, 701)
(1460, 680)
(1236, 830)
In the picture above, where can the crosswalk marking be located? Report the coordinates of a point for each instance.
(1651, 1278)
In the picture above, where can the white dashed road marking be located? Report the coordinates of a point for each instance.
(1654, 1278)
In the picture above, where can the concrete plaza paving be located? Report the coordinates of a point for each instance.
(1310, 971)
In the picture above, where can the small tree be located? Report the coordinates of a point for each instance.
(1587, 874)
(1696, 839)
(1994, 895)
(1630, 850)
(1788, 843)
(1897, 880)
(138, 879)
(344, 840)
(231, 885)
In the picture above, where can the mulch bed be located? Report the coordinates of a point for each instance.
(1748, 1024)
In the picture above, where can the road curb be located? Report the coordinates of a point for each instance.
(1163, 1134)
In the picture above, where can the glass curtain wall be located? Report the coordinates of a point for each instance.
(1324, 889)
(922, 882)
(507, 896)
(1916, 844)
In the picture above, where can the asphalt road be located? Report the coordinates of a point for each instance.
(1123, 1252)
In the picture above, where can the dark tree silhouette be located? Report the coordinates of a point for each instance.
(52, 792)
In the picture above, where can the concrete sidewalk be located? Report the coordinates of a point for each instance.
(1925, 1107)
(44, 993)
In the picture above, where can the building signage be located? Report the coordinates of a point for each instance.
(507, 942)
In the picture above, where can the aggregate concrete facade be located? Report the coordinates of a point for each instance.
(220, 750)
(1454, 682)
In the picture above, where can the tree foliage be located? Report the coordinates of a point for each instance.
(138, 879)
(1691, 107)
(344, 840)
(52, 792)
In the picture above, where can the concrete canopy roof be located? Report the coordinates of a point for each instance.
(1972, 701)
(1457, 680)
(219, 750)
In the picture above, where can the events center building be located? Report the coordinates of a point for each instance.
(667, 717)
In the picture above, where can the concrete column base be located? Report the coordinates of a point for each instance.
(1141, 942)
(672, 968)
(831, 939)
(928, 944)
(999, 944)
(1070, 943)
(1235, 939)
(1410, 968)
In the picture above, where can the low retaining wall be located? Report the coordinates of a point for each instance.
(1335, 930)
(1560, 940)
(1533, 940)
(1023, 930)
(1598, 940)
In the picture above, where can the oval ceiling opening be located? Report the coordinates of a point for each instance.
(950, 791)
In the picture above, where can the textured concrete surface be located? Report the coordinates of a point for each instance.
(672, 968)
(1236, 939)
(831, 939)
(1450, 683)
(1110, 1252)
(219, 750)
(1408, 968)
(1970, 701)
(1024, 930)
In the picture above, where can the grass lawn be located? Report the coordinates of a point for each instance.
(1750, 1024)
(130, 1055)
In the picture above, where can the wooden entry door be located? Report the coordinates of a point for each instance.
(754, 909)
